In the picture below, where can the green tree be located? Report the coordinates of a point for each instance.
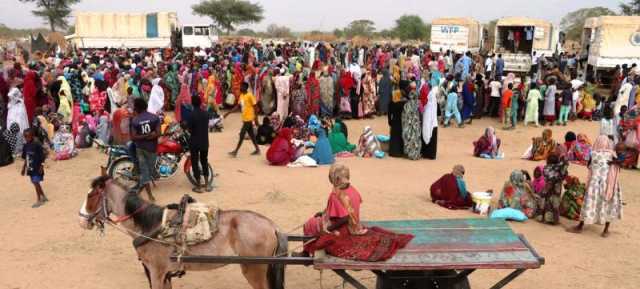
(277, 31)
(361, 27)
(386, 33)
(246, 32)
(338, 33)
(54, 12)
(226, 14)
(411, 27)
(631, 8)
(573, 23)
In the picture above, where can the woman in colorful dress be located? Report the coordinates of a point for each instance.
(554, 173)
(369, 96)
(488, 145)
(533, 100)
(543, 146)
(368, 144)
(282, 151)
(339, 143)
(517, 194)
(603, 200)
(411, 126)
(578, 148)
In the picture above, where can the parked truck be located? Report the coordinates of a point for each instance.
(138, 30)
(608, 41)
(456, 34)
(517, 38)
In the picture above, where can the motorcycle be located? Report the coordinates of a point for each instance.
(173, 146)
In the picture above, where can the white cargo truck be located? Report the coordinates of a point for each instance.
(138, 30)
(456, 34)
(608, 41)
(517, 38)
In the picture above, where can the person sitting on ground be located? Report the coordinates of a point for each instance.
(266, 133)
(488, 145)
(450, 191)
(322, 152)
(282, 151)
(339, 143)
(542, 146)
(578, 148)
(517, 194)
(368, 144)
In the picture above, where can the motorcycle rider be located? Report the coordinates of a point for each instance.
(198, 126)
(145, 130)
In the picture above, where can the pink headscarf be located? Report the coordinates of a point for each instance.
(538, 183)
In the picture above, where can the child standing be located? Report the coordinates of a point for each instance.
(507, 95)
(607, 125)
(565, 107)
(33, 155)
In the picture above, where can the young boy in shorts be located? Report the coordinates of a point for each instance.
(33, 155)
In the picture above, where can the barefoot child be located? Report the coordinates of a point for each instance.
(248, 105)
(33, 155)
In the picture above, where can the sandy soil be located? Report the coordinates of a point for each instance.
(45, 248)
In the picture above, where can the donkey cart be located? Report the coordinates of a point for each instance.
(442, 255)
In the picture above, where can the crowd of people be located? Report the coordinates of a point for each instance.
(64, 100)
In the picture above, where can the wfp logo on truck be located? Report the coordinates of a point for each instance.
(449, 29)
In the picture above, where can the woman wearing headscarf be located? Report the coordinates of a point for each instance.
(313, 95)
(517, 194)
(183, 103)
(30, 92)
(555, 171)
(156, 98)
(173, 82)
(338, 227)
(338, 141)
(283, 91)
(298, 97)
(16, 110)
(282, 151)
(385, 91)
(588, 106)
(369, 94)
(346, 83)
(322, 152)
(411, 130)
(396, 107)
(430, 126)
(367, 144)
(237, 80)
(578, 148)
(550, 102)
(488, 145)
(14, 139)
(468, 100)
(327, 92)
(450, 191)
(603, 199)
(543, 146)
(102, 130)
(533, 99)
(266, 91)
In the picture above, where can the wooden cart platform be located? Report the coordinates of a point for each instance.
(442, 254)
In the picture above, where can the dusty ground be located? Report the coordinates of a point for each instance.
(45, 248)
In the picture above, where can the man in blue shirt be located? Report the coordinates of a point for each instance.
(145, 130)
(499, 66)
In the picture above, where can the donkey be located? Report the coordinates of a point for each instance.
(240, 233)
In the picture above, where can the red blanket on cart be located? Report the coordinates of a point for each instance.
(376, 245)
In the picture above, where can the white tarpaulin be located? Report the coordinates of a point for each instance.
(121, 25)
(457, 34)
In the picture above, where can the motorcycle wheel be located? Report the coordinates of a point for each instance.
(192, 179)
(123, 171)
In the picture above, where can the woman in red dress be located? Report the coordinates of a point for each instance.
(338, 230)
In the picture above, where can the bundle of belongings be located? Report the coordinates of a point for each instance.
(189, 223)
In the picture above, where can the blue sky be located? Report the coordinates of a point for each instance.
(305, 15)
